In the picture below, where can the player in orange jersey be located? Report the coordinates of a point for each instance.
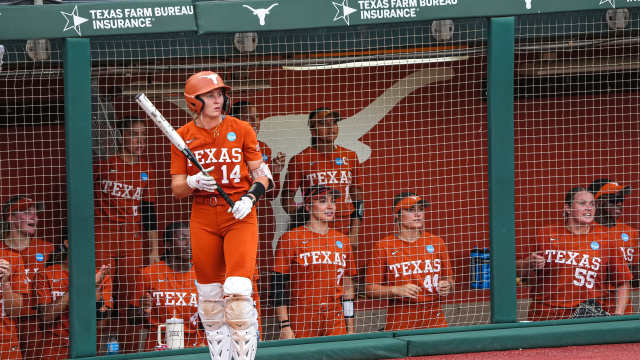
(410, 269)
(325, 163)
(224, 239)
(124, 190)
(20, 224)
(313, 272)
(609, 198)
(52, 288)
(13, 291)
(574, 262)
(168, 289)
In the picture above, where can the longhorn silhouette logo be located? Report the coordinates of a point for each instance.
(260, 13)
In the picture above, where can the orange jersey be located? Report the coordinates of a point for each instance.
(316, 264)
(226, 149)
(51, 285)
(577, 267)
(9, 344)
(120, 188)
(338, 170)
(423, 263)
(172, 293)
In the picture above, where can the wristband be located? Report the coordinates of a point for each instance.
(347, 308)
(257, 190)
(284, 324)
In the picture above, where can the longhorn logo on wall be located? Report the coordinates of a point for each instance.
(261, 13)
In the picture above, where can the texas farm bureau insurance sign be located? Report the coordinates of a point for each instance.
(97, 18)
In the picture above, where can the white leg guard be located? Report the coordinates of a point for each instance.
(211, 311)
(242, 317)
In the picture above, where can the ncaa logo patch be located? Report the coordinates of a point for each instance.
(144, 176)
(231, 136)
(39, 257)
(595, 245)
(430, 249)
(624, 237)
(339, 244)
(265, 158)
(339, 161)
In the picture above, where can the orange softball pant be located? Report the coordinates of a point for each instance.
(221, 245)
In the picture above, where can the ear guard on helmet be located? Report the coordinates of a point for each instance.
(203, 82)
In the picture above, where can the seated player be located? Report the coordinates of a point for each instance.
(13, 290)
(313, 271)
(410, 269)
(52, 288)
(168, 289)
(19, 234)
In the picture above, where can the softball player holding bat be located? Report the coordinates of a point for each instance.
(410, 269)
(610, 196)
(312, 286)
(574, 262)
(20, 223)
(13, 292)
(224, 239)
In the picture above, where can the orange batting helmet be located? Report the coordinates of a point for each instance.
(203, 82)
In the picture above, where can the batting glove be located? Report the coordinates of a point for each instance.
(201, 181)
(242, 207)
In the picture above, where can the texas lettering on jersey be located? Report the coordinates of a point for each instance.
(175, 298)
(573, 258)
(213, 155)
(121, 190)
(324, 257)
(341, 177)
(416, 267)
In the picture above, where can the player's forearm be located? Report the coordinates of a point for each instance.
(622, 297)
(282, 313)
(179, 186)
(51, 312)
(349, 292)
(379, 291)
(12, 300)
(287, 202)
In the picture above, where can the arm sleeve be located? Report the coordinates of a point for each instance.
(280, 286)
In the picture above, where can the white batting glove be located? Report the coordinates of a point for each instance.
(202, 181)
(242, 207)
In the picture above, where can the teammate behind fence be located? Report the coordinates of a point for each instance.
(19, 234)
(224, 240)
(325, 163)
(167, 289)
(572, 264)
(410, 269)
(52, 288)
(609, 198)
(125, 214)
(312, 280)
